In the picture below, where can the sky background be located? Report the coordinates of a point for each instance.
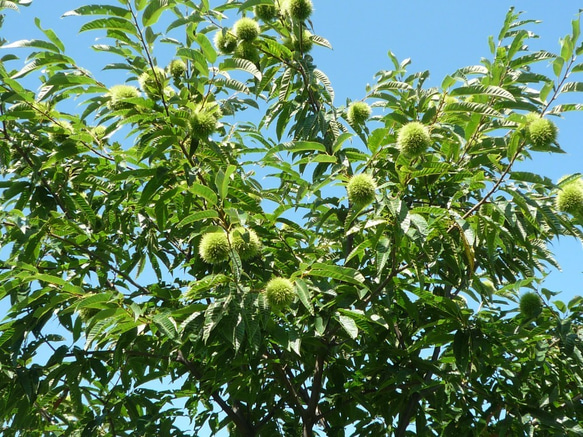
(440, 36)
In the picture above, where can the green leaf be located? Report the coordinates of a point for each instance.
(317, 39)
(392, 85)
(94, 301)
(197, 216)
(207, 47)
(59, 282)
(223, 180)
(572, 87)
(36, 43)
(196, 57)
(276, 49)
(482, 90)
(531, 58)
(166, 324)
(299, 146)
(100, 10)
(345, 274)
(51, 35)
(153, 11)
(327, 84)
(304, 295)
(205, 192)
(240, 64)
(112, 23)
(558, 66)
(478, 108)
(348, 324)
(8, 4)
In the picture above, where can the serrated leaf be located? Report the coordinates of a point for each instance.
(207, 48)
(166, 324)
(284, 85)
(392, 85)
(276, 49)
(349, 325)
(482, 90)
(241, 64)
(533, 178)
(153, 11)
(197, 216)
(93, 301)
(99, 10)
(317, 39)
(530, 58)
(304, 295)
(60, 282)
(477, 108)
(205, 192)
(36, 43)
(340, 273)
(111, 23)
(327, 84)
(232, 84)
(299, 146)
(7, 4)
(572, 87)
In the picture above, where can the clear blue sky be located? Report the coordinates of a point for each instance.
(439, 36)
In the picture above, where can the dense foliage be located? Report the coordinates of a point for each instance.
(385, 279)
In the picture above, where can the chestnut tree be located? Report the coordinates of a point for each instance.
(386, 278)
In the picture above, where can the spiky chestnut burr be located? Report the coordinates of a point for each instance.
(246, 29)
(245, 242)
(214, 247)
(118, 94)
(413, 139)
(530, 305)
(279, 292)
(361, 189)
(358, 113)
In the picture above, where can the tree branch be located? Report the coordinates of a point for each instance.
(241, 422)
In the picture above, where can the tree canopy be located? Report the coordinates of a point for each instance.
(373, 268)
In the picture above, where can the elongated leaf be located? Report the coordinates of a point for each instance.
(197, 216)
(572, 87)
(36, 43)
(339, 273)
(43, 59)
(153, 11)
(481, 89)
(477, 108)
(196, 57)
(317, 39)
(232, 84)
(349, 325)
(299, 146)
(207, 47)
(393, 85)
(205, 192)
(530, 58)
(241, 64)
(327, 84)
(276, 49)
(116, 11)
(166, 324)
(285, 86)
(93, 301)
(111, 23)
(7, 4)
(60, 282)
(304, 295)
